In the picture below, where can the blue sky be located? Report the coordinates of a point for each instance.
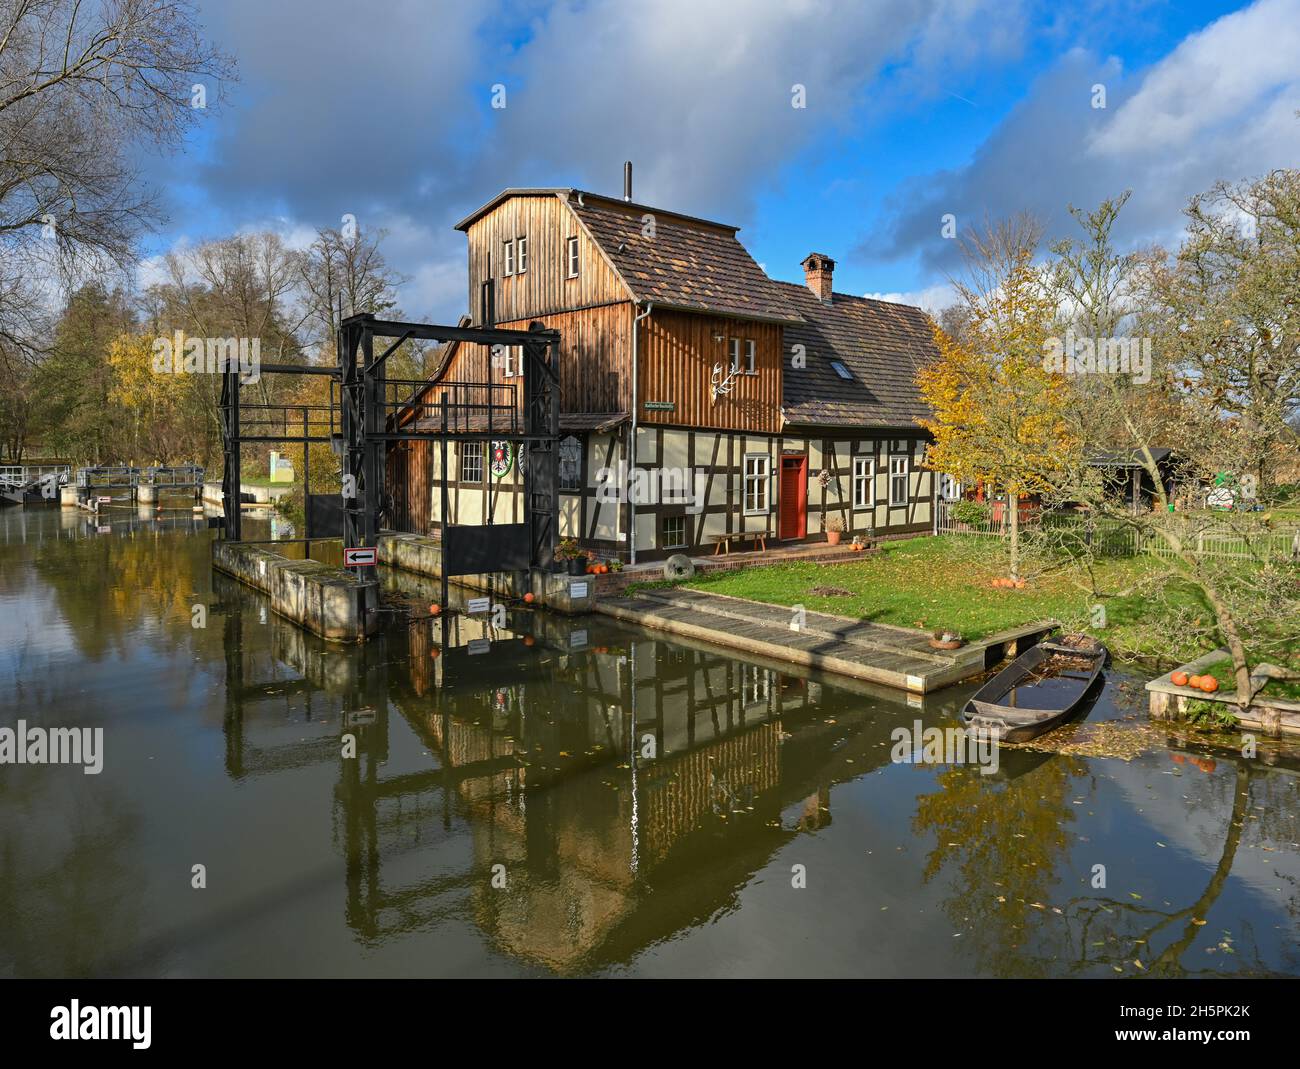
(913, 110)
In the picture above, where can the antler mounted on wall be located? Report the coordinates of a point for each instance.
(721, 384)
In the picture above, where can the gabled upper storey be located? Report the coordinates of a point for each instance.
(538, 251)
(786, 354)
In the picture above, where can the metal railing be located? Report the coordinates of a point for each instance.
(108, 477)
(471, 407)
(15, 475)
(181, 476)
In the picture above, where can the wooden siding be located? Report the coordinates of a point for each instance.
(546, 221)
(595, 363)
(676, 355)
(595, 357)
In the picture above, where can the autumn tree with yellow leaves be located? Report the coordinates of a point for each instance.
(998, 413)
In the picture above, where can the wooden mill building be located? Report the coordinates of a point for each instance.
(700, 398)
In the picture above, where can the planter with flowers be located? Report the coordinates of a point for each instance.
(571, 557)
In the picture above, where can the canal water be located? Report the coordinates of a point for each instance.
(569, 797)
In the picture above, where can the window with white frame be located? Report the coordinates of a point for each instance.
(757, 467)
(949, 488)
(471, 462)
(899, 468)
(743, 356)
(521, 255)
(864, 482)
(571, 258)
(674, 532)
(508, 258)
(509, 367)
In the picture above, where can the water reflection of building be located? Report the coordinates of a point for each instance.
(628, 788)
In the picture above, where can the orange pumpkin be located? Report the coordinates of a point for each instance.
(1020, 584)
(433, 653)
(529, 640)
(1178, 679)
(529, 598)
(1209, 684)
(1195, 682)
(434, 610)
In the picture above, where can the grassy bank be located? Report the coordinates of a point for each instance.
(945, 582)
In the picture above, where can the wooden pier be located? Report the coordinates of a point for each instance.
(1271, 716)
(879, 653)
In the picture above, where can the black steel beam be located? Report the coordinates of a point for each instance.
(387, 328)
(299, 369)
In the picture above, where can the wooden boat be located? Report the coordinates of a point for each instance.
(1039, 690)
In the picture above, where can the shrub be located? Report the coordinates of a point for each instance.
(972, 513)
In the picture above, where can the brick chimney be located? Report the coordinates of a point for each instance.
(817, 271)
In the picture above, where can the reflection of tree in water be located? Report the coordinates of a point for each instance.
(75, 915)
(107, 587)
(1095, 929)
(1007, 839)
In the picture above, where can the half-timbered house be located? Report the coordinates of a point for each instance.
(700, 399)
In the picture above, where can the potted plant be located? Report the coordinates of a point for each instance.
(945, 638)
(834, 529)
(615, 565)
(575, 561)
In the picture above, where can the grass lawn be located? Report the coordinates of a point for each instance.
(944, 582)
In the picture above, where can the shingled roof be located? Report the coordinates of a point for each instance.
(881, 344)
(690, 264)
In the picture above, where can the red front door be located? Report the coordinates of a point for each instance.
(794, 497)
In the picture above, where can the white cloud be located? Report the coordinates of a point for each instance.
(1226, 75)
(1219, 106)
(932, 299)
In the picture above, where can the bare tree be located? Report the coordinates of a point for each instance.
(345, 270)
(81, 85)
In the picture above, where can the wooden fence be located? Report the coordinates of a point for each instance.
(1114, 538)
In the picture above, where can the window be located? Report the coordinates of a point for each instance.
(864, 482)
(488, 303)
(674, 532)
(471, 462)
(571, 258)
(509, 268)
(841, 370)
(745, 346)
(506, 361)
(949, 488)
(571, 464)
(898, 470)
(756, 474)
(521, 255)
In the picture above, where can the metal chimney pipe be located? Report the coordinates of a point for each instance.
(627, 180)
